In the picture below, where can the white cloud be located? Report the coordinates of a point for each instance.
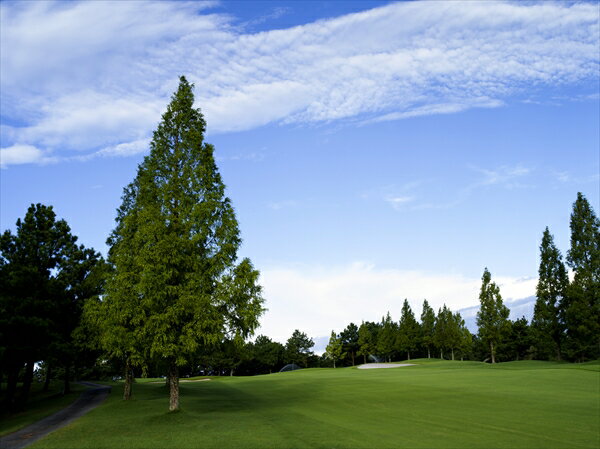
(398, 201)
(318, 299)
(90, 75)
(23, 154)
(506, 176)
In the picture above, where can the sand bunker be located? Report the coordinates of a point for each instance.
(384, 365)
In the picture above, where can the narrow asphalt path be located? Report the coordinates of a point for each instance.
(88, 400)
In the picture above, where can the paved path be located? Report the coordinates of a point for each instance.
(88, 400)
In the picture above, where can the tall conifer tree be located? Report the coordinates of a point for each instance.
(176, 248)
(408, 331)
(582, 305)
(550, 291)
(428, 326)
(492, 317)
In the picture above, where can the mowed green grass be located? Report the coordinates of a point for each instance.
(432, 405)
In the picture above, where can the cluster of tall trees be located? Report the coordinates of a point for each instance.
(45, 277)
(566, 320)
(444, 332)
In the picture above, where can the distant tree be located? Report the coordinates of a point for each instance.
(581, 310)
(466, 340)
(455, 333)
(386, 338)
(335, 348)
(492, 318)
(349, 338)
(546, 328)
(184, 276)
(427, 327)
(408, 331)
(519, 339)
(367, 339)
(267, 353)
(443, 329)
(298, 348)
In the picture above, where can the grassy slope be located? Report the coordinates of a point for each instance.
(435, 404)
(39, 406)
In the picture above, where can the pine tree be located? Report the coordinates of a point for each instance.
(546, 328)
(409, 330)
(492, 318)
(443, 330)
(367, 339)
(175, 253)
(298, 348)
(386, 339)
(349, 338)
(582, 305)
(427, 326)
(335, 348)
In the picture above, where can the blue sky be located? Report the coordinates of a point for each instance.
(373, 151)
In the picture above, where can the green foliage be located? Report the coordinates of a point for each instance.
(367, 339)
(492, 318)
(546, 328)
(45, 278)
(445, 331)
(298, 348)
(581, 310)
(519, 340)
(409, 331)
(335, 348)
(427, 327)
(268, 354)
(349, 338)
(176, 286)
(386, 337)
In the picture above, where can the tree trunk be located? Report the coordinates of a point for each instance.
(452, 354)
(442, 354)
(128, 380)
(67, 387)
(493, 352)
(365, 357)
(408, 352)
(11, 386)
(27, 379)
(48, 376)
(428, 353)
(174, 387)
(334, 363)
(231, 372)
(352, 353)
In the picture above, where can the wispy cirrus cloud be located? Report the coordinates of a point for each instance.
(86, 76)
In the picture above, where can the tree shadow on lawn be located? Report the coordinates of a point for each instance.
(229, 397)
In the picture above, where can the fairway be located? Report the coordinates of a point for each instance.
(433, 404)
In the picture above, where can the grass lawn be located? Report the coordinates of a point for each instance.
(434, 404)
(40, 405)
